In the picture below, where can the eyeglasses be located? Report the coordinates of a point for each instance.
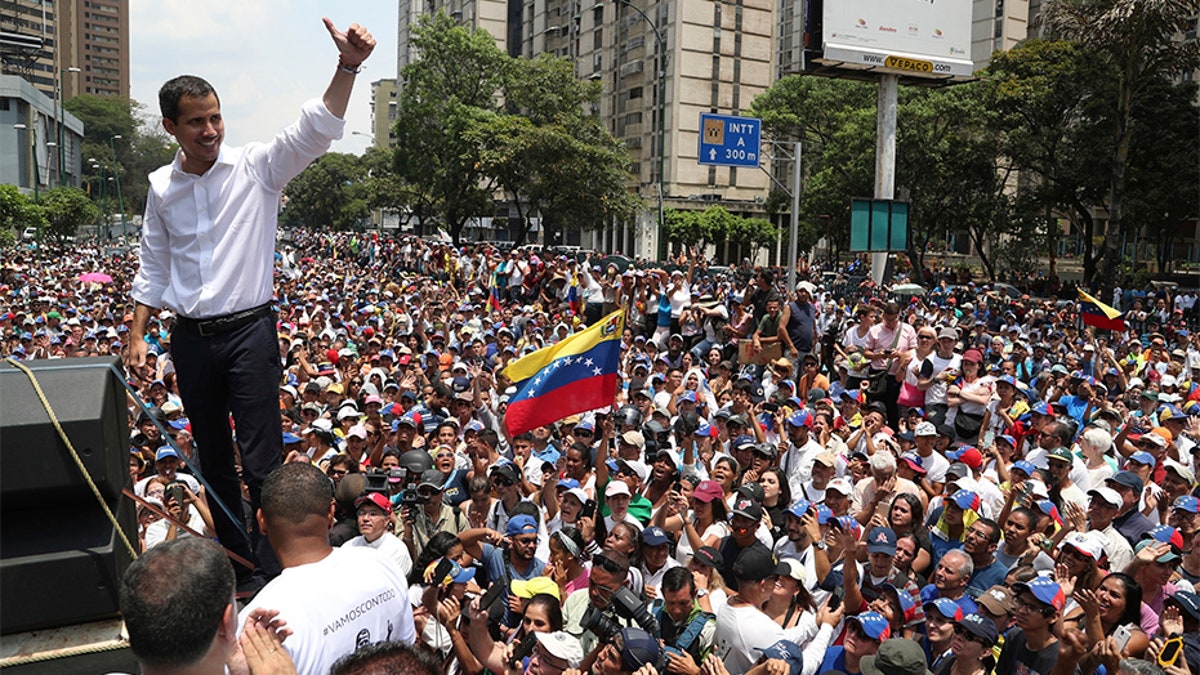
(1033, 607)
(924, 337)
(501, 482)
(338, 472)
(582, 432)
(526, 541)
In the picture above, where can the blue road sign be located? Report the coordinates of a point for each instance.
(726, 140)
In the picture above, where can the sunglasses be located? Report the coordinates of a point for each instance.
(963, 632)
(607, 564)
(501, 482)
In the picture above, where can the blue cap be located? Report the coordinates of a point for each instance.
(688, 396)
(165, 452)
(881, 540)
(1143, 457)
(521, 524)
(1025, 465)
(946, 607)
(801, 418)
(966, 499)
(800, 508)
(874, 625)
(180, 423)
(1012, 442)
(824, 514)
(1187, 503)
(290, 438)
(788, 651)
(1040, 408)
(743, 441)
(569, 483)
(655, 536)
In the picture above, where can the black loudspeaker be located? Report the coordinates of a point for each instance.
(60, 557)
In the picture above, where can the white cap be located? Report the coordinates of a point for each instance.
(617, 487)
(925, 429)
(1084, 542)
(358, 431)
(579, 494)
(1109, 495)
(563, 645)
(1038, 489)
(841, 485)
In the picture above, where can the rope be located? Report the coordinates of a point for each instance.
(37, 388)
(65, 653)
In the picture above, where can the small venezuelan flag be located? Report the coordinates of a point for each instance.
(573, 294)
(573, 376)
(1099, 315)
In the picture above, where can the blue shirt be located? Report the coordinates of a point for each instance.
(498, 569)
(941, 546)
(930, 593)
(981, 580)
(835, 659)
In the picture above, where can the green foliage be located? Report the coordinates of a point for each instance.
(66, 208)
(18, 212)
(328, 194)
(474, 121)
(716, 224)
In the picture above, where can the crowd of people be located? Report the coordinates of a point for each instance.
(786, 481)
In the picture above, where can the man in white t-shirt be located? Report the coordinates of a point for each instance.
(799, 453)
(328, 620)
(744, 630)
(374, 510)
(934, 463)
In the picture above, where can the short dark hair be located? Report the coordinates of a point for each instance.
(994, 535)
(175, 89)
(295, 491)
(395, 658)
(678, 578)
(173, 599)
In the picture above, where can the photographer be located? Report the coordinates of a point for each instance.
(608, 605)
(427, 515)
(687, 631)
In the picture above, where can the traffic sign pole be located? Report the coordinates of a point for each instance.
(885, 157)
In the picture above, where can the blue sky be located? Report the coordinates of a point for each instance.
(265, 58)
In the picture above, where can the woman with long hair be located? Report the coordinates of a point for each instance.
(790, 603)
(568, 553)
(1116, 603)
(700, 518)
(705, 573)
(906, 515)
(968, 397)
(777, 496)
(627, 539)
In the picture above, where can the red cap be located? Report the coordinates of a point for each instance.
(376, 498)
(973, 355)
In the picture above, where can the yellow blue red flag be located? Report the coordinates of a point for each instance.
(1099, 315)
(573, 376)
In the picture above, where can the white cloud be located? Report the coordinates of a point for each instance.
(265, 58)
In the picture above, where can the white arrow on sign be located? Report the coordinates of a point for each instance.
(712, 154)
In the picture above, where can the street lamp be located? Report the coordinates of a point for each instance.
(62, 113)
(33, 153)
(117, 172)
(660, 41)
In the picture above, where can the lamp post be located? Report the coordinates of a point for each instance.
(62, 113)
(33, 153)
(117, 172)
(660, 43)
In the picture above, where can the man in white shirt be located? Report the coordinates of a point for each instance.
(327, 620)
(374, 510)
(744, 630)
(207, 254)
(798, 455)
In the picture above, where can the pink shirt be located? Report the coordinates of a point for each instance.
(880, 338)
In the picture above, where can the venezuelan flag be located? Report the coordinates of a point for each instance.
(573, 294)
(572, 376)
(494, 294)
(1099, 315)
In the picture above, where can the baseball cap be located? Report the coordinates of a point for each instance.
(966, 499)
(1187, 503)
(527, 588)
(617, 487)
(967, 455)
(377, 498)
(709, 556)
(946, 607)
(1187, 601)
(896, 657)
(432, 478)
(846, 524)
(1044, 589)
(874, 625)
(165, 452)
(1126, 479)
(842, 485)
(1025, 465)
(1143, 457)
(914, 461)
(800, 508)
(997, 600)
(655, 536)
(1061, 453)
(981, 627)
(564, 646)
(748, 508)
(1167, 535)
(787, 651)
(638, 648)
(1107, 495)
(881, 540)
(521, 524)
(1084, 543)
(707, 490)
(1166, 558)
(754, 564)
(790, 567)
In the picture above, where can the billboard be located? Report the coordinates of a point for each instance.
(921, 38)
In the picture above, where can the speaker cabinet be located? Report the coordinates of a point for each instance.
(60, 557)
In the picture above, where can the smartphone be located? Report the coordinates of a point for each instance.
(494, 593)
(835, 600)
(1171, 650)
(440, 572)
(524, 649)
(589, 509)
(1122, 635)
(174, 491)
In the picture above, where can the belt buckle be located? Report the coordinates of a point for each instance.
(202, 328)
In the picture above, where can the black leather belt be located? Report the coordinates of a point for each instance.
(226, 323)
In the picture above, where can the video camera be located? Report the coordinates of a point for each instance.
(626, 605)
(380, 480)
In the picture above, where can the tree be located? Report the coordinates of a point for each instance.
(17, 212)
(66, 208)
(447, 97)
(328, 193)
(1136, 38)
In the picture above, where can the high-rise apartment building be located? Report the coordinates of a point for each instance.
(384, 105)
(28, 40)
(93, 36)
(490, 15)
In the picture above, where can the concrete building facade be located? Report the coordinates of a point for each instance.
(384, 105)
(29, 127)
(93, 36)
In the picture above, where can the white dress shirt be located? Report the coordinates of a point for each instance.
(208, 241)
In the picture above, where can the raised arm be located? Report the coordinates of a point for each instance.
(354, 46)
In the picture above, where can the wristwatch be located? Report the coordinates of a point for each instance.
(821, 545)
(701, 592)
